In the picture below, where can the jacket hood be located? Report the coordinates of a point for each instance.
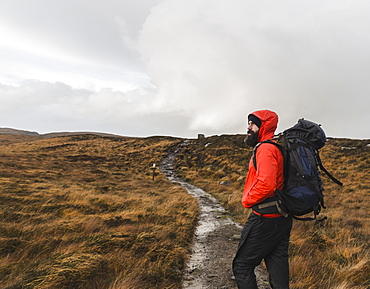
(269, 124)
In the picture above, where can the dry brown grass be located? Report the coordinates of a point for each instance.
(331, 254)
(84, 212)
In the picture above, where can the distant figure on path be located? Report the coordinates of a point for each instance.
(264, 236)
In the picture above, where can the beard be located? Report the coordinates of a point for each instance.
(252, 138)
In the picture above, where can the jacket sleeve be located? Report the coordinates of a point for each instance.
(262, 182)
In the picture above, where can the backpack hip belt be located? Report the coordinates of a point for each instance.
(269, 206)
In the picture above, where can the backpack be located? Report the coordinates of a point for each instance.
(303, 191)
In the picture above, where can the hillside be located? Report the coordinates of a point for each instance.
(331, 254)
(82, 211)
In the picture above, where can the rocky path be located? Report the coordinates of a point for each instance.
(215, 241)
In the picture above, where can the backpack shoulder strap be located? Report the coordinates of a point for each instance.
(255, 150)
(283, 152)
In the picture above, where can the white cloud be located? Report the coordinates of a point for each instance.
(182, 67)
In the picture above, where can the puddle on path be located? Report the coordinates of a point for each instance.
(212, 217)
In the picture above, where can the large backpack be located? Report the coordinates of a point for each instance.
(303, 191)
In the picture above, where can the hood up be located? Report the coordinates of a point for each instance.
(269, 121)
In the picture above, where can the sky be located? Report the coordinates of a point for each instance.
(181, 68)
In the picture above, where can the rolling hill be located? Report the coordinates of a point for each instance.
(82, 211)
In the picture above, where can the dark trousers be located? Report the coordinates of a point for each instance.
(268, 239)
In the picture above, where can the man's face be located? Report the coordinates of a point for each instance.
(252, 134)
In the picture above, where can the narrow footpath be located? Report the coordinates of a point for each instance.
(215, 240)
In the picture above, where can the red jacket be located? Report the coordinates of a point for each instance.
(262, 183)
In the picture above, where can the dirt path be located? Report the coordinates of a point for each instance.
(215, 241)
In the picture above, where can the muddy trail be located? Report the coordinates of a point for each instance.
(215, 240)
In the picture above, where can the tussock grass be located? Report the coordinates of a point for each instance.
(84, 212)
(330, 254)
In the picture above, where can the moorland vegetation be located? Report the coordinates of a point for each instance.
(333, 254)
(83, 211)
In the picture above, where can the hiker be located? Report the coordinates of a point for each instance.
(264, 236)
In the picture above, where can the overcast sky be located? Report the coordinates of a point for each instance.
(174, 67)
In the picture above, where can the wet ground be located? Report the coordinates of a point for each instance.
(215, 241)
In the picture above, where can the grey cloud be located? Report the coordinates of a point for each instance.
(302, 60)
(209, 62)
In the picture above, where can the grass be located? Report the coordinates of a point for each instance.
(330, 254)
(84, 212)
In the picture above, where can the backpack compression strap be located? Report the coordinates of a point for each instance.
(326, 172)
(318, 161)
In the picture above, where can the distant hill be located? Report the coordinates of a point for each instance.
(59, 134)
(12, 131)
(4, 130)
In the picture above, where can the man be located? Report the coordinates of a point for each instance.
(265, 236)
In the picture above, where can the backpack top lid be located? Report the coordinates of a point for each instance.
(308, 131)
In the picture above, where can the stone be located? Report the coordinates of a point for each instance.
(226, 183)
